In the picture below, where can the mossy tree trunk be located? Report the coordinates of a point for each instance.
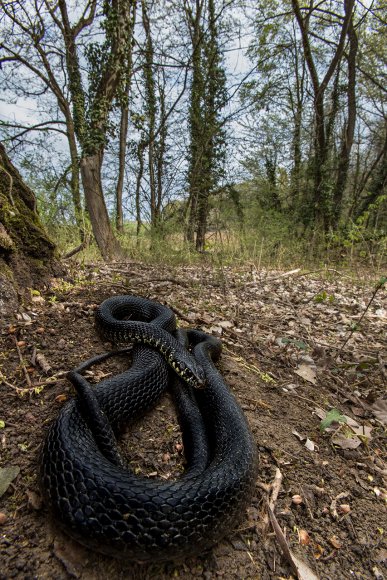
(207, 98)
(27, 254)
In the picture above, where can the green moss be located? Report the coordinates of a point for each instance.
(5, 271)
(24, 227)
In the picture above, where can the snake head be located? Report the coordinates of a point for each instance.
(190, 372)
(194, 376)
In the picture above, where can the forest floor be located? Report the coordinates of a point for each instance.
(296, 346)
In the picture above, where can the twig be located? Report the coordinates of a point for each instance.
(84, 244)
(281, 540)
(284, 275)
(258, 402)
(275, 487)
(241, 361)
(27, 376)
(180, 314)
(5, 382)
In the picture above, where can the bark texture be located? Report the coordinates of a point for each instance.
(27, 254)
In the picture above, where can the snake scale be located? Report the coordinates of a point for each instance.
(93, 494)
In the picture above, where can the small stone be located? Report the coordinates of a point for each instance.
(297, 499)
(344, 508)
(3, 518)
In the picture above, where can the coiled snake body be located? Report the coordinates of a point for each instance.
(96, 498)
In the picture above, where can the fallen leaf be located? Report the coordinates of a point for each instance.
(2, 424)
(381, 555)
(61, 398)
(318, 551)
(34, 499)
(362, 431)
(377, 573)
(303, 537)
(379, 409)
(358, 411)
(297, 434)
(299, 567)
(7, 475)
(307, 372)
(303, 570)
(225, 324)
(205, 319)
(310, 445)
(321, 414)
(347, 440)
(335, 542)
(215, 330)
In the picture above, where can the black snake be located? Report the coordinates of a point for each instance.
(92, 493)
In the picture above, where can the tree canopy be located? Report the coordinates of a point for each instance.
(148, 109)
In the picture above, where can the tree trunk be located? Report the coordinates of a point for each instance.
(74, 181)
(376, 186)
(201, 228)
(27, 254)
(140, 172)
(322, 197)
(95, 201)
(195, 118)
(121, 167)
(345, 153)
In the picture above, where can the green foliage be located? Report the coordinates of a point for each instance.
(333, 416)
(323, 296)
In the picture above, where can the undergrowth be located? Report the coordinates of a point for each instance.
(271, 245)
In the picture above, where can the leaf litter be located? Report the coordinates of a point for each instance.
(293, 343)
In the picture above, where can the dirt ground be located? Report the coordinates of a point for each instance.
(296, 346)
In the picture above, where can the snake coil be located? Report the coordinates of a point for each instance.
(90, 490)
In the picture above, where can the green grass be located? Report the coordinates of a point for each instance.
(271, 244)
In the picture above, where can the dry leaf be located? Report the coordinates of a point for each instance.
(299, 567)
(61, 398)
(297, 434)
(303, 537)
(225, 324)
(307, 372)
(318, 551)
(346, 441)
(7, 475)
(381, 555)
(335, 542)
(379, 409)
(310, 445)
(34, 499)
